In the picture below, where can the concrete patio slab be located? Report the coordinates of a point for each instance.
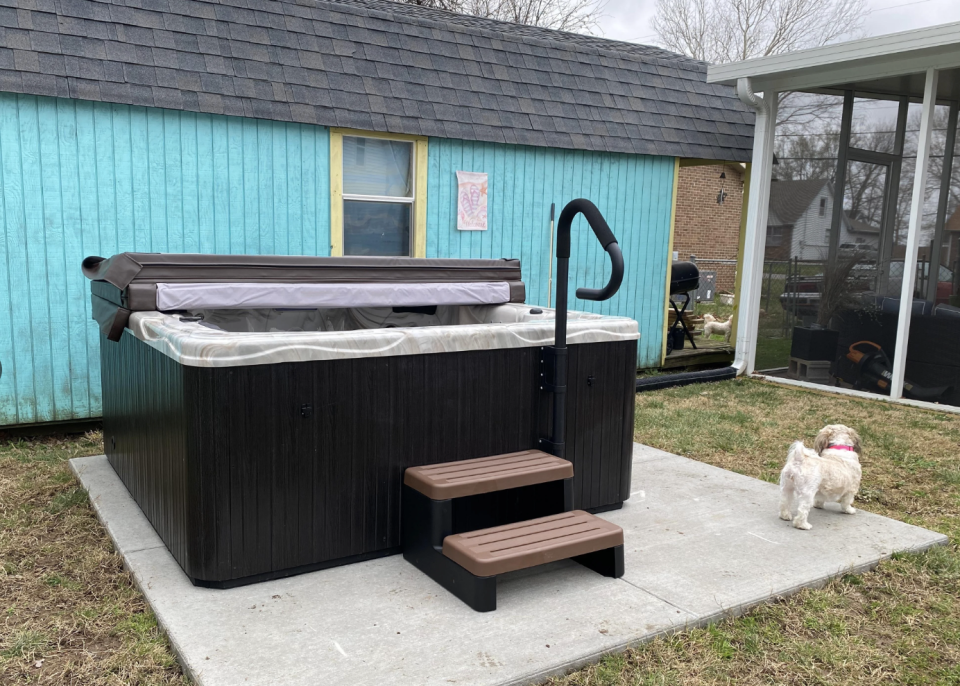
(702, 543)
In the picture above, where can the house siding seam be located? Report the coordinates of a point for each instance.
(634, 193)
(82, 178)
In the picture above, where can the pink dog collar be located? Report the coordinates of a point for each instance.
(836, 446)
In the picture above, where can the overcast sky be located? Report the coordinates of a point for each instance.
(630, 19)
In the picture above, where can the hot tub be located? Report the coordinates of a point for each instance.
(264, 440)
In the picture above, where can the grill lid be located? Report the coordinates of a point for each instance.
(684, 277)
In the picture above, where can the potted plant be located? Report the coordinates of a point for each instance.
(818, 341)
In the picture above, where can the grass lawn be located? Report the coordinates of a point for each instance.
(72, 616)
(772, 352)
(70, 612)
(899, 624)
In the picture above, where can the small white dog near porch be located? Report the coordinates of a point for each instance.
(828, 473)
(713, 326)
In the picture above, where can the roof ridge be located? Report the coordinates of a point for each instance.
(455, 21)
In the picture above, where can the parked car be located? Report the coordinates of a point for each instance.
(864, 250)
(801, 295)
(945, 279)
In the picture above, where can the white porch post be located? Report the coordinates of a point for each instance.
(748, 310)
(913, 232)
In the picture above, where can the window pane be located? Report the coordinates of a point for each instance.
(373, 166)
(865, 234)
(376, 228)
(874, 124)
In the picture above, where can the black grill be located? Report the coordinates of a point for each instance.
(684, 277)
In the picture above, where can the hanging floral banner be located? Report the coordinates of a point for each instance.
(471, 201)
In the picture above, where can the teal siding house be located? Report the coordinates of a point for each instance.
(320, 128)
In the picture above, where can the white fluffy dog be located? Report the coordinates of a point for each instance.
(713, 326)
(828, 473)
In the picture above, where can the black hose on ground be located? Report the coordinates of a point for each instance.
(657, 383)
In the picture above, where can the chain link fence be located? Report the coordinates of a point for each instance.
(789, 296)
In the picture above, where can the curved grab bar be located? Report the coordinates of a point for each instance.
(603, 234)
(616, 278)
(554, 370)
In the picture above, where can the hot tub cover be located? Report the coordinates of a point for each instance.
(185, 296)
(127, 268)
(136, 282)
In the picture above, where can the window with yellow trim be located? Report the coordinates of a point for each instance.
(379, 194)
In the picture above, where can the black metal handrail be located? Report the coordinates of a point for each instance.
(559, 349)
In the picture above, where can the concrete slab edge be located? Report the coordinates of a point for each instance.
(161, 622)
(731, 613)
(560, 670)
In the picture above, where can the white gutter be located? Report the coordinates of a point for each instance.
(744, 89)
(895, 54)
(748, 297)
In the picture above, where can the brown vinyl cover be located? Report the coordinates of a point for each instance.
(126, 268)
(487, 474)
(129, 280)
(502, 549)
(111, 318)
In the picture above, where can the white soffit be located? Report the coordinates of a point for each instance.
(854, 63)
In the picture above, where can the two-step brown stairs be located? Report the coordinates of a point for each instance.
(464, 523)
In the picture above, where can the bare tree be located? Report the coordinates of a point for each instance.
(813, 155)
(806, 156)
(734, 30)
(580, 16)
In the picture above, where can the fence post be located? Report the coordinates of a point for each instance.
(769, 285)
(796, 283)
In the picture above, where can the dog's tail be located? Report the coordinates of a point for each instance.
(795, 454)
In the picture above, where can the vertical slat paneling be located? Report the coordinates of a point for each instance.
(190, 182)
(78, 179)
(239, 480)
(78, 289)
(146, 434)
(51, 211)
(633, 192)
(36, 291)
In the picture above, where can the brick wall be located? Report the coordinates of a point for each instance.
(706, 229)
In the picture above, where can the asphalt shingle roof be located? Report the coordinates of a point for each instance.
(790, 199)
(375, 65)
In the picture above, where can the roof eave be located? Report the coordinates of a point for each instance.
(908, 52)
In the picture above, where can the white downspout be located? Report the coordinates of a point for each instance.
(748, 309)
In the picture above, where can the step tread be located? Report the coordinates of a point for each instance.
(487, 474)
(507, 548)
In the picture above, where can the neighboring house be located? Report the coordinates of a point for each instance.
(858, 234)
(706, 227)
(321, 128)
(951, 242)
(798, 223)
